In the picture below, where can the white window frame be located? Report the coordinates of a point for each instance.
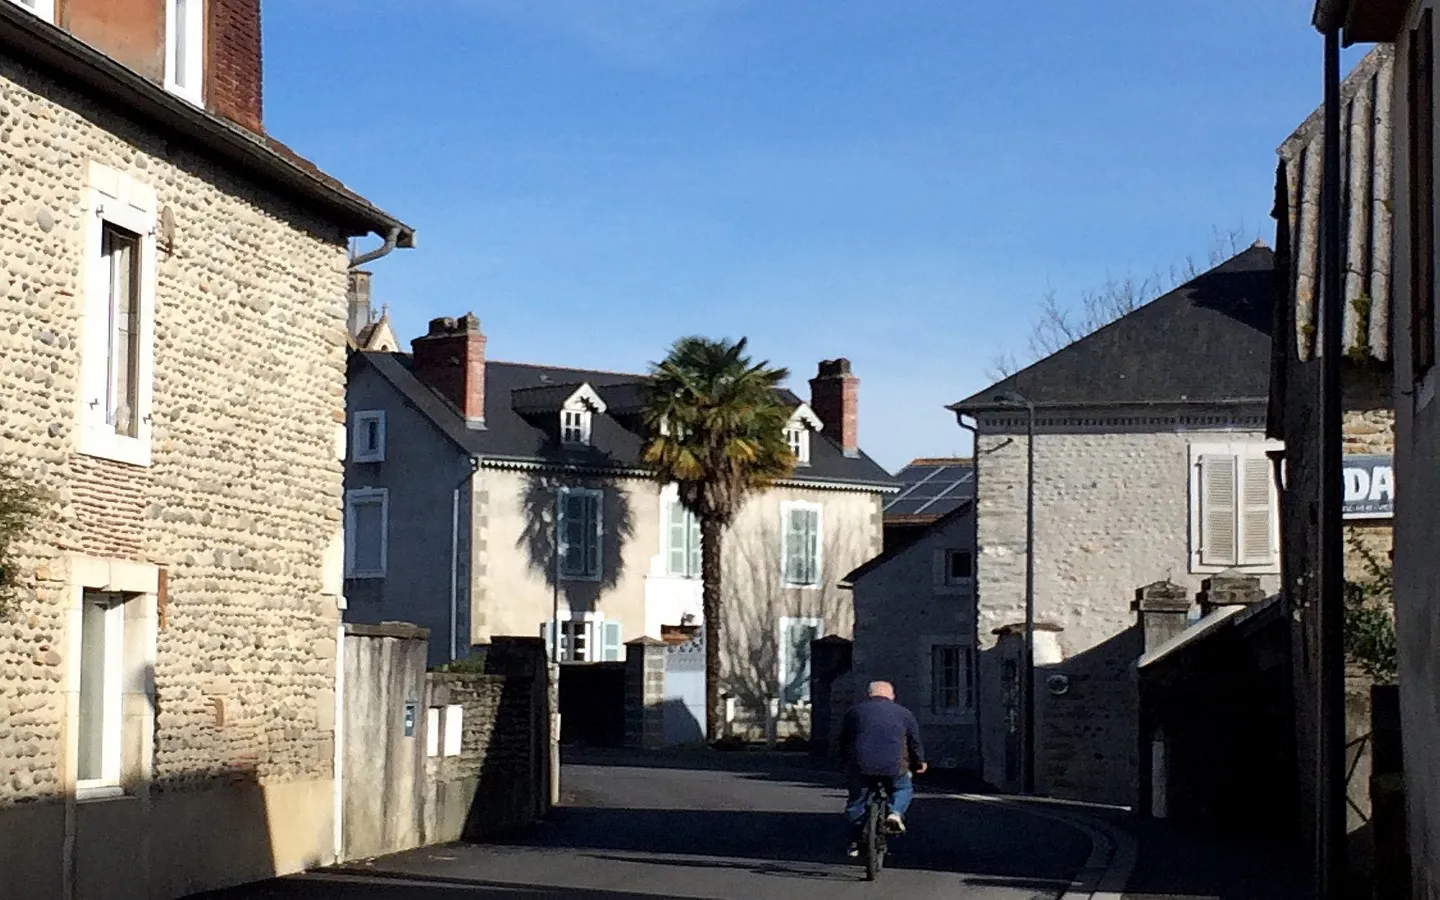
(45, 9)
(798, 438)
(926, 710)
(194, 37)
(363, 418)
(783, 660)
(596, 629)
(367, 496)
(1241, 451)
(575, 423)
(668, 506)
(786, 509)
(132, 629)
(561, 547)
(118, 200)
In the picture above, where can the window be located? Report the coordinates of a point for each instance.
(580, 530)
(682, 530)
(1233, 508)
(949, 678)
(185, 48)
(801, 544)
(585, 640)
(1421, 96)
(796, 635)
(575, 426)
(959, 566)
(367, 514)
(45, 9)
(98, 725)
(117, 350)
(369, 436)
(799, 441)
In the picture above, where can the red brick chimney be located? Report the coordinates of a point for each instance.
(451, 359)
(234, 65)
(835, 396)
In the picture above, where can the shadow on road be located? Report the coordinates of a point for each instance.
(398, 886)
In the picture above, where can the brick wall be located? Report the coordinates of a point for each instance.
(1111, 512)
(235, 64)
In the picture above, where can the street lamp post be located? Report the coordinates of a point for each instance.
(1016, 400)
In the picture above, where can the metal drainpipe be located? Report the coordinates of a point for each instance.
(974, 430)
(455, 558)
(385, 249)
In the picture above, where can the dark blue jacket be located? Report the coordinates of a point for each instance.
(880, 737)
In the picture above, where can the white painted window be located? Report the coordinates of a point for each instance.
(117, 351)
(45, 9)
(575, 426)
(682, 541)
(799, 441)
(101, 672)
(590, 638)
(1233, 508)
(185, 48)
(367, 515)
(959, 567)
(580, 532)
(800, 529)
(369, 442)
(949, 678)
(796, 634)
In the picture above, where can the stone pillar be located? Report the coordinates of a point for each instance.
(1229, 589)
(1163, 609)
(645, 693)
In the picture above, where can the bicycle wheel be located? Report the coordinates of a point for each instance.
(874, 840)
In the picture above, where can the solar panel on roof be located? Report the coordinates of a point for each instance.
(931, 489)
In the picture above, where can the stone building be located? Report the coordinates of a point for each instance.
(172, 282)
(1150, 465)
(459, 465)
(1367, 385)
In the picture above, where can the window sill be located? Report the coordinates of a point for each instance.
(1205, 569)
(368, 459)
(116, 448)
(583, 578)
(97, 792)
(364, 576)
(801, 587)
(185, 94)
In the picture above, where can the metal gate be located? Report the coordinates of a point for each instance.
(683, 702)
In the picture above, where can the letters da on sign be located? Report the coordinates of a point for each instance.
(1369, 487)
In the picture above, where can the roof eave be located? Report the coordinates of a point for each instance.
(971, 406)
(29, 37)
(1360, 21)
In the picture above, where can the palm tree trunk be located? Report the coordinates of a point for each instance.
(711, 532)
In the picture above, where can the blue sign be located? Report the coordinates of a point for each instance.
(1369, 487)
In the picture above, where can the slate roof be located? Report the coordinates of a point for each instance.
(876, 562)
(615, 435)
(1206, 341)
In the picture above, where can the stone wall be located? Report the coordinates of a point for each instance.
(236, 512)
(1112, 511)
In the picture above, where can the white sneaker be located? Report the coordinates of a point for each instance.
(896, 824)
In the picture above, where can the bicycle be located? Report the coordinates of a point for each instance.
(880, 790)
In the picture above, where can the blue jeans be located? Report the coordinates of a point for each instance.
(856, 798)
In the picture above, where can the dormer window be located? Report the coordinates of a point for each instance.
(185, 48)
(799, 440)
(575, 426)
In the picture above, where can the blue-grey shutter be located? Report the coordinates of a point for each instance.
(594, 527)
(678, 533)
(613, 650)
(547, 631)
(693, 536)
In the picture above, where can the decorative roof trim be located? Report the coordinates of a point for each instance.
(804, 415)
(531, 465)
(585, 395)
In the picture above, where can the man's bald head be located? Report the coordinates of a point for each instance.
(881, 689)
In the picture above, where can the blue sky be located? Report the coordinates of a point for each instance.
(894, 181)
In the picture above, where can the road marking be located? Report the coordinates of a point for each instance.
(1113, 851)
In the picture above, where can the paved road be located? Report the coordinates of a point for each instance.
(753, 829)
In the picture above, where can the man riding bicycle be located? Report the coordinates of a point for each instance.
(879, 737)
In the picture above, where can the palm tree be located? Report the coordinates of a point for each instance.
(716, 429)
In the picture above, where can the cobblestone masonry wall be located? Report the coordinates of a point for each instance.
(1111, 514)
(244, 491)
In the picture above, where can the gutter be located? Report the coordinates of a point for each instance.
(26, 37)
(455, 558)
(965, 407)
(975, 701)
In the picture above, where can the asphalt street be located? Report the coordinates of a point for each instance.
(717, 828)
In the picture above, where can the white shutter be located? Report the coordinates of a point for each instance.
(678, 532)
(792, 546)
(613, 650)
(547, 631)
(692, 524)
(1257, 526)
(812, 546)
(1218, 502)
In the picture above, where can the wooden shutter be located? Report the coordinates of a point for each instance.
(1256, 513)
(547, 631)
(612, 649)
(678, 531)
(792, 543)
(692, 523)
(1421, 96)
(1218, 501)
(811, 548)
(594, 527)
